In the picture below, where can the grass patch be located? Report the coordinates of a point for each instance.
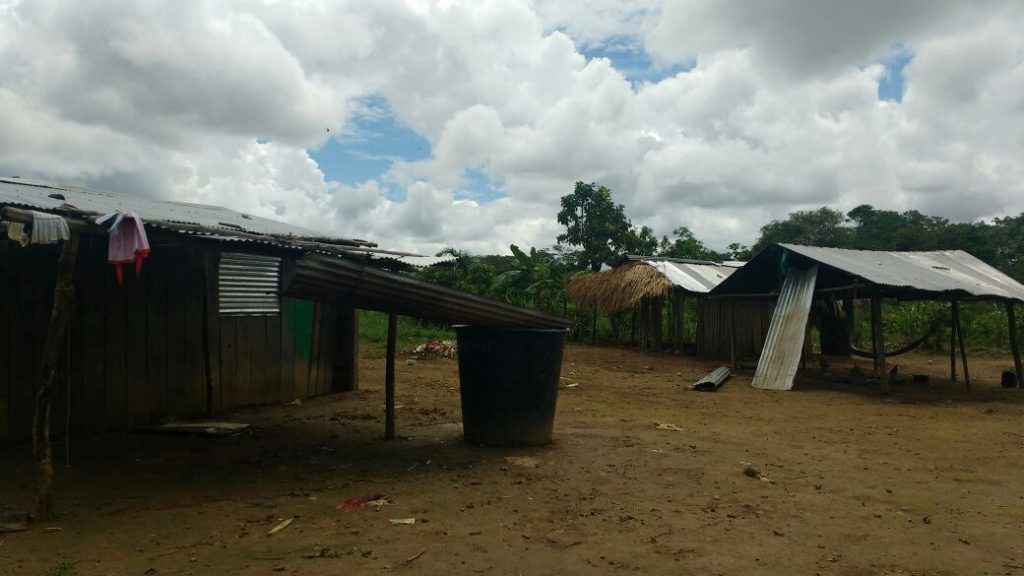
(373, 330)
(63, 569)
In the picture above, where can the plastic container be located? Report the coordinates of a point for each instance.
(509, 383)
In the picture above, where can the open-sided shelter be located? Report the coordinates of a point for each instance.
(228, 310)
(645, 284)
(827, 280)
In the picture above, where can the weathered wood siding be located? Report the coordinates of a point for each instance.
(136, 351)
(752, 318)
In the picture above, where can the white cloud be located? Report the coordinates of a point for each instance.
(218, 101)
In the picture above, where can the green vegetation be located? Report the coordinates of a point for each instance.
(373, 329)
(597, 232)
(62, 569)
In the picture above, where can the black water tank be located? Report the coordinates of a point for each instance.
(508, 378)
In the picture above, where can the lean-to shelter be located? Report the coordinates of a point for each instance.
(227, 310)
(827, 280)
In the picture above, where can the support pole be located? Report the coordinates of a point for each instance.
(656, 319)
(733, 359)
(952, 341)
(1011, 315)
(593, 327)
(879, 340)
(960, 341)
(677, 321)
(60, 315)
(645, 321)
(389, 379)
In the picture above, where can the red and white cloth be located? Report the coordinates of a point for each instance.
(128, 242)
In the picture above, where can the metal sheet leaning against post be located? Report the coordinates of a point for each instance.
(784, 344)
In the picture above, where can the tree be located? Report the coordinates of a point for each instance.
(537, 279)
(594, 223)
(685, 245)
(641, 241)
(821, 227)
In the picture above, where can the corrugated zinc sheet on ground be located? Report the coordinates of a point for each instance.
(781, 355)
(938, 271)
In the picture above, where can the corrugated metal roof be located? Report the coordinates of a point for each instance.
(323, 277)
(692, 276)
(46, 196)
(938, 271)
(780, 356)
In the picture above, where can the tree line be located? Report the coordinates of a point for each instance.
(597, 232)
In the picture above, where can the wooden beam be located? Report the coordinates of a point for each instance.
(389, 379)
(1011, 315)
(657, 306)
(678, 301)
(645, 306)
(60, 315)
(346, 354)
(879, 341)
(952, 341)
(960, 341)
(733, 357)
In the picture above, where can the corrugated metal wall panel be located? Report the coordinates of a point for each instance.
(249, 285)
(781, 355)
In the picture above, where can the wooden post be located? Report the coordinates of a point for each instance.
(733, 357)
(657, 308)
(678, 297)
(346, 360)
(632, 327)
(389, 379)
(960, 342)
(879, 340)
(952, 341)
(645, 306)
(60, 315)
(1011, 315)
(593, 327)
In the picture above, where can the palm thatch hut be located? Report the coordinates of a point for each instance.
(655, 289)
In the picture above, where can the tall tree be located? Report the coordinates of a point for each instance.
(685, 245)
(821, 227)
(595, 223)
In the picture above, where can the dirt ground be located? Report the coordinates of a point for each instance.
(918, 482)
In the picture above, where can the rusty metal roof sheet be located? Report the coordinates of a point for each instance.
(691, 275)
(39, 195)
(938, 271)
(783, 347)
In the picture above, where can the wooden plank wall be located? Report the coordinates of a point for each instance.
(753, 317)
(277, 359)
(135, 353)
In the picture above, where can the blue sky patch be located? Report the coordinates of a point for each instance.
(628, 56)
(478, 186)
(890, 85)
(367, 147)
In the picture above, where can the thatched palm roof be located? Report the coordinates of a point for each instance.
(620, 288)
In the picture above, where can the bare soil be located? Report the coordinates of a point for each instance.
(831, 478)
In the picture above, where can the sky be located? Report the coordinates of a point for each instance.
(422, 125)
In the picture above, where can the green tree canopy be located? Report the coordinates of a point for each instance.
(821, 227)
(595, 223)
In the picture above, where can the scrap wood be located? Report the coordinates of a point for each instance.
(280, 526)
(671, 427)
(412, 558)
(402, 521)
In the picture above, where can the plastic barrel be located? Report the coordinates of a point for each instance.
(508, 378)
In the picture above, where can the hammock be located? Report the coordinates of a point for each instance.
(901, 350)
